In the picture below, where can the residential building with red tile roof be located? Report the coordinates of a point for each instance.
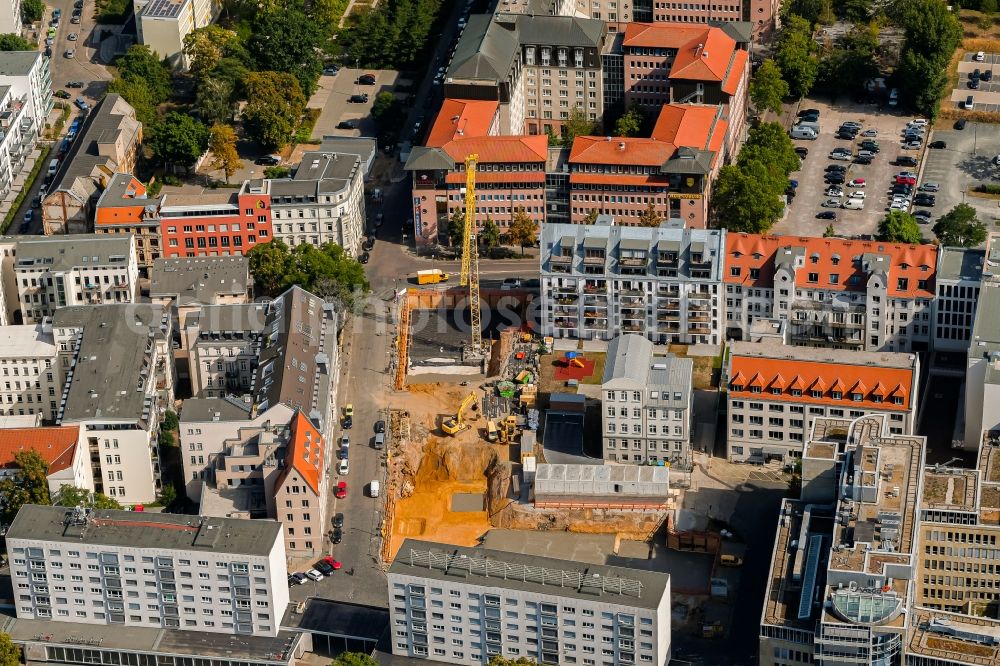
(59, 446)
(125, 207)
(755, 17)
(849, 294)
(777, 391)
(300, 493)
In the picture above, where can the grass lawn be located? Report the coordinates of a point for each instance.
(703, 375)
(598, 358)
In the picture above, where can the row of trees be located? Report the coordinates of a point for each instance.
(393, 34)
(932, 35)
(326, 271)
(522, 231)
(960, 227)
(748, 194)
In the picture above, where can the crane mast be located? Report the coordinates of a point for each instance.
(470, 256)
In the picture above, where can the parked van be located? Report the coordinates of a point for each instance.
(380, 440)
(854, 204)
(53, 167)
(811, 125)
(804, 133)
(894, 97)
(373, 488)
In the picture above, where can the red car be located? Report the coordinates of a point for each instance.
(906, 180)
(332, 562)
(341, 491)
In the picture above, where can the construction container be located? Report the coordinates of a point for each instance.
(601, 486)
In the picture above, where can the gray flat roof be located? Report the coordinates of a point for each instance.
(147, 530)
(242, 317)
(63, 253)
(960, 263)
(208, 409)
(985, 332)
(18, 63)
(774, 349)
(597, 582)
(112, 356)
(194, 280)
(630, 357)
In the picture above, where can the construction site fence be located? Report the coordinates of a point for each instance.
(597, 504)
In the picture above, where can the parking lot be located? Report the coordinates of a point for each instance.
(332, 97)
(800, 218)
(987, 97)
(965, 163)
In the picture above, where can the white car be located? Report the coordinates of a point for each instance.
(918, 122)
(831, 203)
(898, 205)
(870, 133)
(857, 194)
(846, 157)
(930, 187)
(912, 145)
(343, 468)
(314, 575)
(980, 56)
(906, 174)
(834, 191)
(857, 182)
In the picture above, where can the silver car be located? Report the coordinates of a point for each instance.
(71, 53)
(930, 187)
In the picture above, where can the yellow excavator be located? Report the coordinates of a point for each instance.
(508, 429)
(457, 424)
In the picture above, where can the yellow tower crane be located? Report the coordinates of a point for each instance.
(470, 255)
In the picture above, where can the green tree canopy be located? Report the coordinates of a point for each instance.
(354, 659)
(489, 235)
(851, 62)
(288, 41)
(178, 140)
(10, 653)
(899, 227)
(630, 122)
(577, 125)
(389, 35)
(767, 88)
(32, 10)
(73, 496)
(932, 35)
(769, 144)
(960, 227)
(456, 228)
(810, 10)
(274, 108)
(170, 420)
(205, 47)
(214, 101)
(139, 65)
(522, 231)
(795, 56)
(12, 42)
(327, 271)
(28, 485)
(499, 660)
(745, 198)
(137, 94)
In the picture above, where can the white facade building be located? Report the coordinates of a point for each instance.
(10, 17)
(647, 404)
(30, 382)
(603, 280)
(84, 269)
(464, 605)
(957, 283)
(162, 25)
(25, 102)
(148, 570)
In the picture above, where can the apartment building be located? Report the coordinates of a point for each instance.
(776, 393)
(603, 280)
(30, 379)
(239, 566)
(277, 473)
(25, 102)
(87, 269)
(956, 282)
(187, 284)
(760, 16)
(108, 143)
(324, 202)
(59, 446)
(982, 374)
(843, 571)
(212, 224)
(125, 207)
(647, 404)
(222, 344)
(510, 170)
(162, 25)
(9, 301)
(517, 606)
(10, 17)
(846, 294)
(118, 383)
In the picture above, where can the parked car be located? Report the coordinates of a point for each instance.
(358, 99)
(826, 215)
(987, 75)
(835, 178)
(62, 94)
(330, 70)
(831, 203)
(268, 160)
(929, 186)
(364, 258)
(81, 103)
(337, 536)
(839, 168)
(380, 426)
(366, 80)
(70, 53)
(923, 216)
(834, 191)
(341, 491)
(980, 56)
(906, 160)
(346, 124)
(863, 160)
(343, 468)
(801, 151)
(74, 84)
(334, 564)
(870, 144)
(870, 133)
(312, 574)
(323, 567)
(973, 84)
(808, 112)
(72, 36)
(857, 182)
(75, 20)
(297, 578)
(844, 156)
(937, 144)
(338, 520)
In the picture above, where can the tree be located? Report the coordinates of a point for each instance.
(855, 11)
(807, 9)
(382, 104)
(168, 494)
(456, 228)
(489, 235)
(523, 230)
(139, 97)
(222, 143)
(73, 496)
(32, 11)
(932, 35)
(554, 139)
(214, 101)
(28, 485)
(650, 217)
(591, 217)
(275, 106)
(899, 227)
(795, 56)
(499, 660)
(577, 125)
(767, 88)
(745, 198)
(205, 47)
(960, 227)
(988, 7)
(630, 123)
(327, 270)
(769, 144)
(139, 65)
(354, 659)
(12, 42)
(922, 82)
(179, 140)
(170, 420)
(287, 41)
(829, 231)
(10, 654)
(851, 61)
(268, 264)
(826, 15)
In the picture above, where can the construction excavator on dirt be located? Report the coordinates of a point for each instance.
(456, 423)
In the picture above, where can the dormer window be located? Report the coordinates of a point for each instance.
(578, 57)
(529, 55)
(836, 395)
(546, 56)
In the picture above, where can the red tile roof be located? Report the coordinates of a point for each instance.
(663, 35)
(833, 256)
(461, 117)
(620, 150)
(818, 375)
(737, 70)
(56, 445)
(499, 177)
(706, 59)
(689, 125)
(500, 149)
(305, 451)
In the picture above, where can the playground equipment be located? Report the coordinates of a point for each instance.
(573, 360)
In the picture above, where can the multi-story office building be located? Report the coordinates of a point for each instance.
(843, 571)
(25, 102)
(118, 383)
(87, 269)
(846, 294)
(776, 393)
(124, 207)
(155, 570)
(162, 25)
(759, 16)
(324, 202)
(647, 404)
(603, 280)
(222, 344)
(488, 602)
(277, 472)
(982, 374)
(218, 223)
(10, 17)
(67, 458)
(957, 281)
(30, 382)
(108, 144)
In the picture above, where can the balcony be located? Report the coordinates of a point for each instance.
(667, 259)
(697, 317)
(595, 288)
(567, 299)
(562, 322)
(594, 260)
(668, 316)
(561, 258)
(596, 314)
(700, 295)
(699, 306)
(633, 300)
(633, 328)
(596, 324)
(669, 303)
(629, 291)
(699, 328)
